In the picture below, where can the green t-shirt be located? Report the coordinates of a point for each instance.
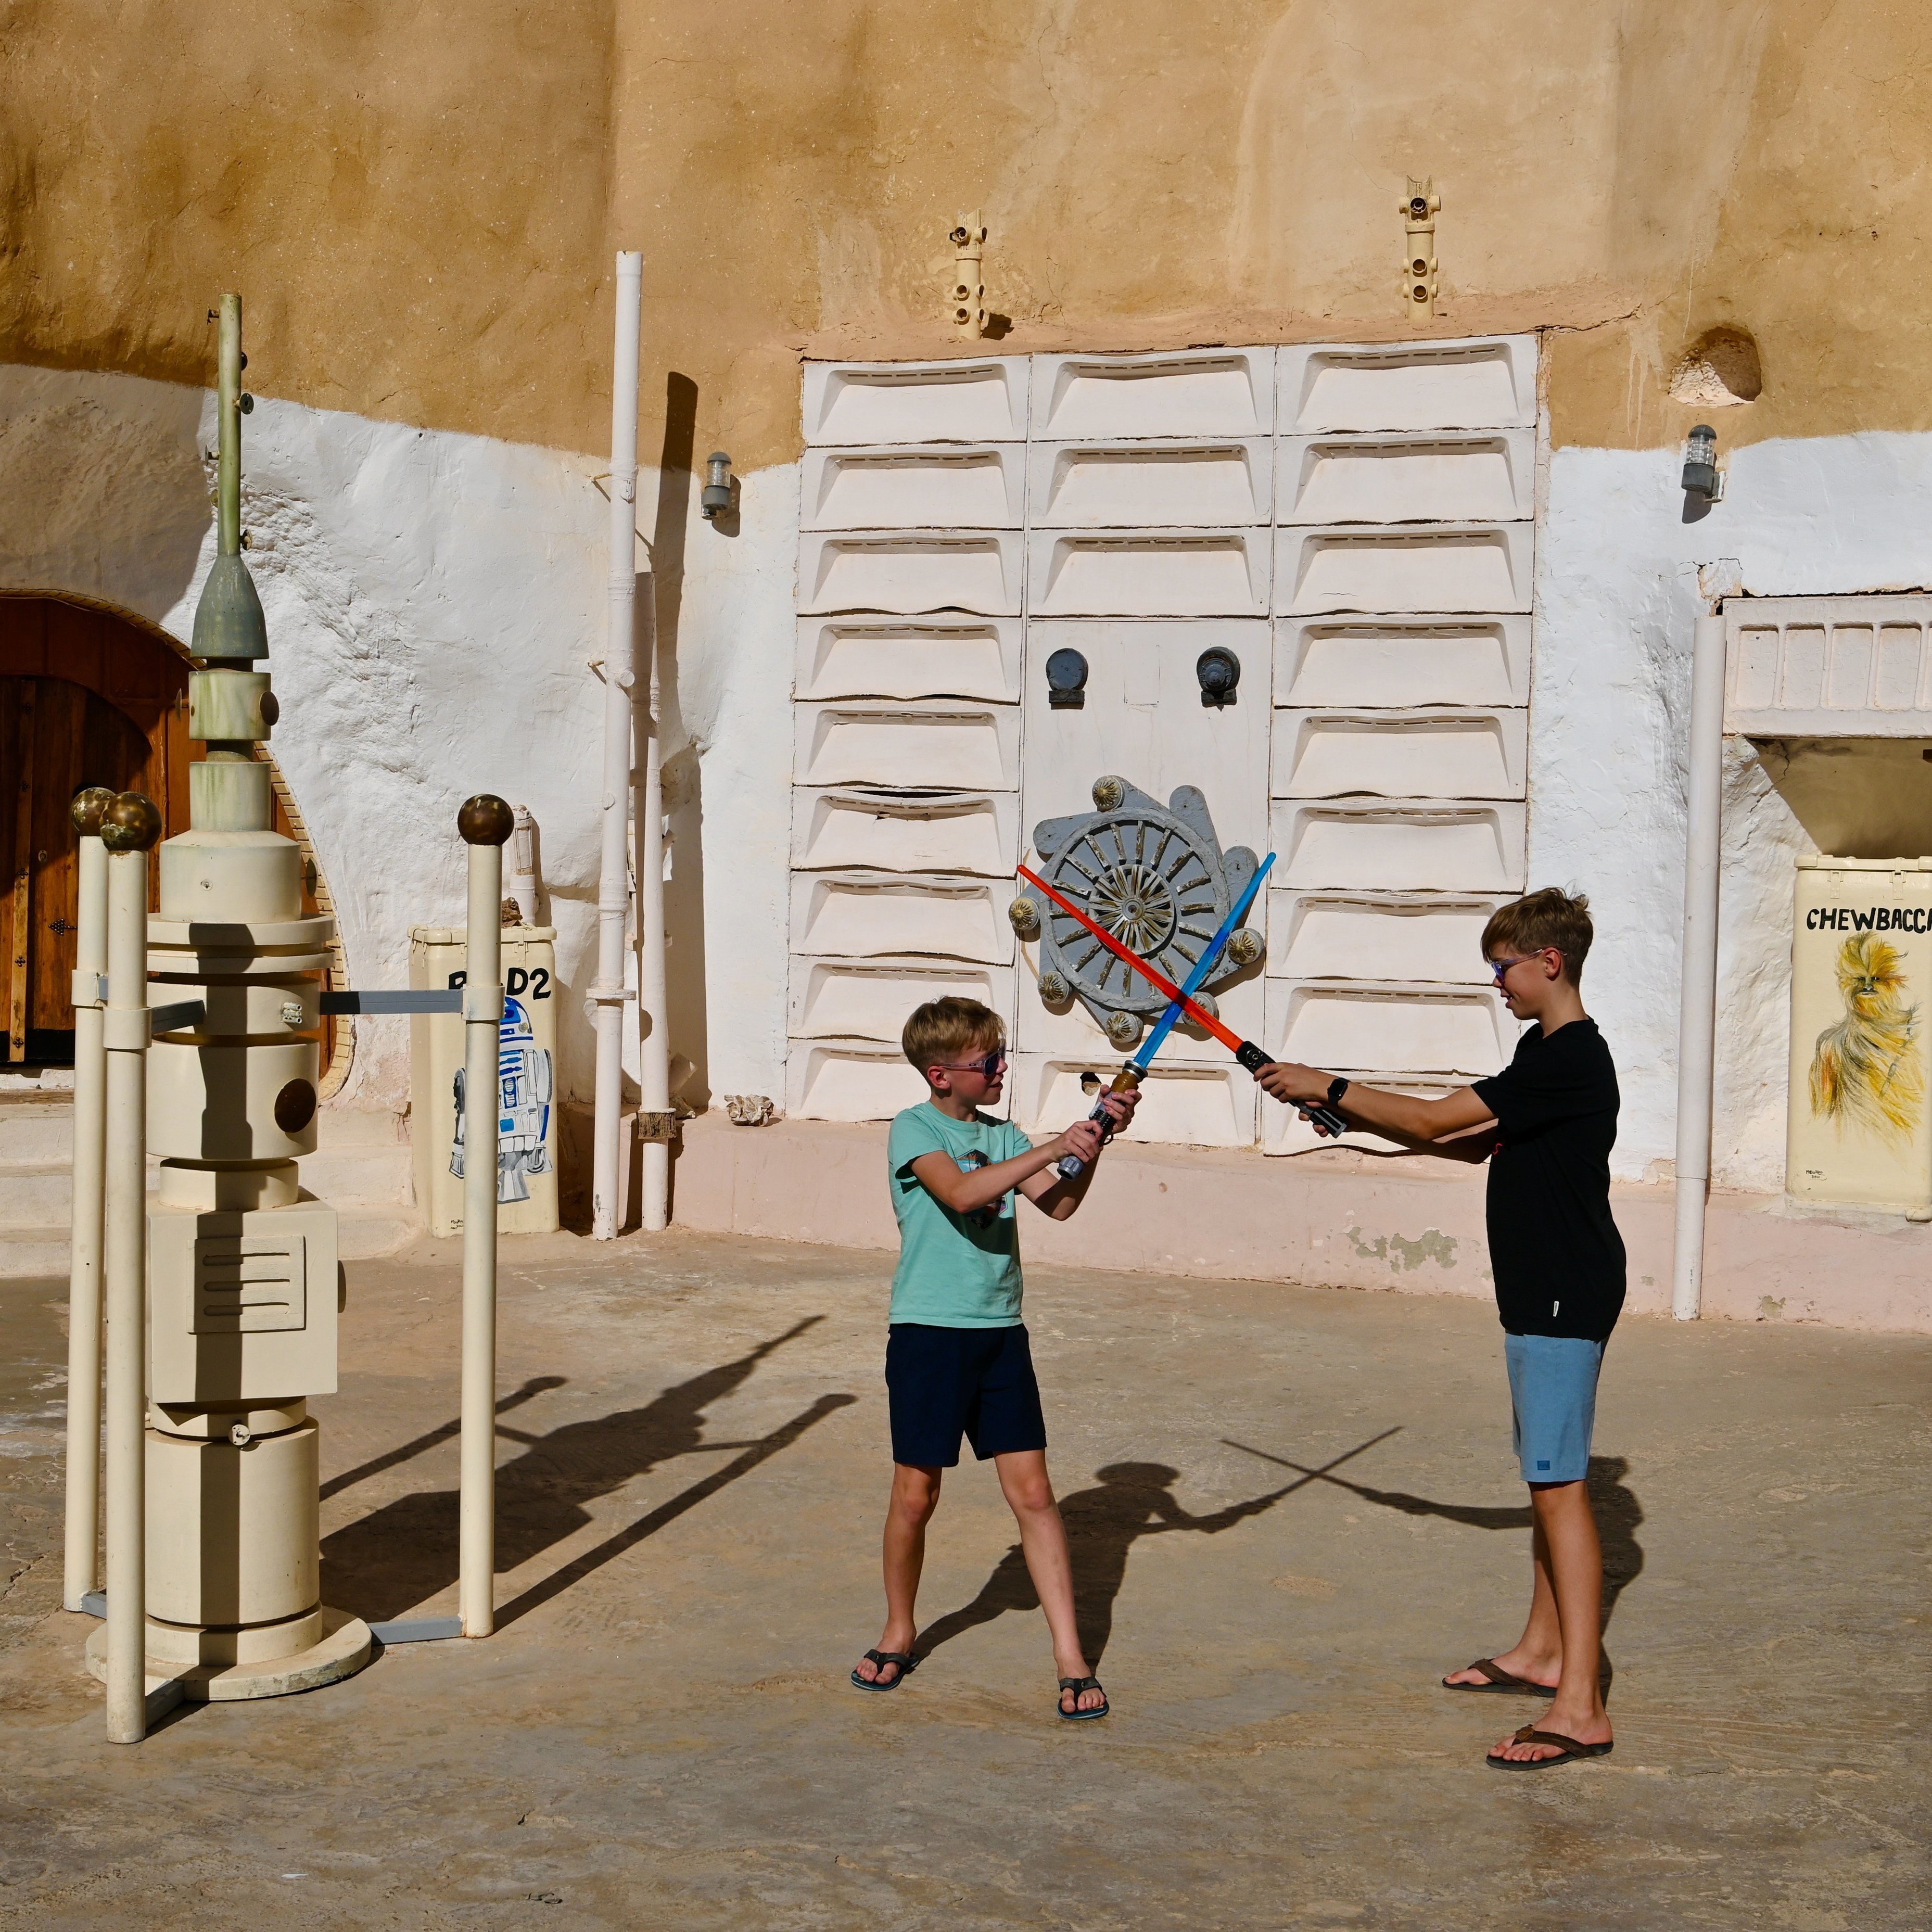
(956, 1270)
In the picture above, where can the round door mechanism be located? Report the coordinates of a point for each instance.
(1218, 671)
(1066, 680)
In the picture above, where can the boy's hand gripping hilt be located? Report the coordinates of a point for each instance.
(1129, 1078)
(1254, 1059)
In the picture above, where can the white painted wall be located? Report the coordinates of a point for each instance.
(1616, 597)
(432, 600)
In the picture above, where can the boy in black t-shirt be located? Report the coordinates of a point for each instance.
(1550, 1120)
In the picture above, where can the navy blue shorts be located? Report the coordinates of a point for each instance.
(943, 1383)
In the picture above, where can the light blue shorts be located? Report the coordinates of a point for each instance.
(1553, 1393)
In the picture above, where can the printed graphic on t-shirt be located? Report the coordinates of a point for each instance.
(970, 1163)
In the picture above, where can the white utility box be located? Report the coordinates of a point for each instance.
(1861, 967)
(527, 1062)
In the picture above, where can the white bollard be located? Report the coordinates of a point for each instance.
(129, 827)
(82, 1575)
(485, 822)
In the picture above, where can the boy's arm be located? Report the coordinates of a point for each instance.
(1441, 1127)
(941, 1177)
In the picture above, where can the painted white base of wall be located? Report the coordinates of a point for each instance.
(1332, 1219)
(1617, 596)
(433, 603)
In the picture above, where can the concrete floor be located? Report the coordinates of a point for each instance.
(692, 1471)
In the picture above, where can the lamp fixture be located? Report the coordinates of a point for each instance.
(1702, 477)
(715, 498)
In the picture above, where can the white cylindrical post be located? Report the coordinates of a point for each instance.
(607, 994)
(130, 826)
(82, 1571)
(1697, 1024)
(484, 822)
(654, 1065)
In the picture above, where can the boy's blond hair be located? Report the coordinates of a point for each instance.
(944, 1030)
(1551, 917)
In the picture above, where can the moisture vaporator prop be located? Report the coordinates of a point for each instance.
(1857, 1130)
(243, 1273)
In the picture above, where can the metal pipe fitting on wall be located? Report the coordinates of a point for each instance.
(1419, 208)
(968, 238)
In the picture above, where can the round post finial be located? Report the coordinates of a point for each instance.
(485, 819)
(130, 823)
(89, 802)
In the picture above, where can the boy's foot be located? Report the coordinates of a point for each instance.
(1081, 1697)
(1550, 1743)
(884, 1670)
(1486, 1674)
(1544, 1673)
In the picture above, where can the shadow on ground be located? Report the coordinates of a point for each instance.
(404, 1553)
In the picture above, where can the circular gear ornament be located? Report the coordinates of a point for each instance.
(1155, 877)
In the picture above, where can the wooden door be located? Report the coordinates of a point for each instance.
(86, 697)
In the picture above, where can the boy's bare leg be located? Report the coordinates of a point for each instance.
(915, 1496)
(1536, 1656)
(1574, 1560)
(1029, 1494)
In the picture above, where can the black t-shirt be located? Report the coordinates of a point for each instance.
(1554, 1249)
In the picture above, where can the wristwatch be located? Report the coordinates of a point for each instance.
(1337, 1088)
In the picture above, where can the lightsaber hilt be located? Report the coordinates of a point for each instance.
(1068, 1165)
(1254, 1059)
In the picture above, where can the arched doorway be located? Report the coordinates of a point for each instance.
(87, 697)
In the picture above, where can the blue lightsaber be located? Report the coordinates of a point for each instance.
(1070, 1165)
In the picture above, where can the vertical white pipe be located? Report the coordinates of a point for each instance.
(483, 1017)
(125, 1241)
(613, 885)
(654, 1063)
(82, 1572)
(1697, 1024)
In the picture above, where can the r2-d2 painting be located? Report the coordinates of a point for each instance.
(524, 1085)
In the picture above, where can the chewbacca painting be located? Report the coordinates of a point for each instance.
(1865, 1070)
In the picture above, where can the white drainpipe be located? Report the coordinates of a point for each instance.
(654, 1064)
(607, 993)
(1697, 1024)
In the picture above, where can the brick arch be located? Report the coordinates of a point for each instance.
(83, 685)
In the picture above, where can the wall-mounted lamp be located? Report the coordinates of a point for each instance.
(715, 498)
(1701, 476)
(1218, 671)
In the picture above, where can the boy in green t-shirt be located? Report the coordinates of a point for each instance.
(957, 1359)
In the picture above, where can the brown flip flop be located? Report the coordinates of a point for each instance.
(1500, 1679)
(1569, 1751)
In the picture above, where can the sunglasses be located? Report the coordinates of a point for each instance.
(1500, 967)
(986, 1068)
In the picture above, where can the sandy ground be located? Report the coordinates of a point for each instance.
(692, 1468)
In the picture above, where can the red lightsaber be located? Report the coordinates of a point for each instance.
(1245, 1051)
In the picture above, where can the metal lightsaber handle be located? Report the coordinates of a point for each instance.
(1069, 1166)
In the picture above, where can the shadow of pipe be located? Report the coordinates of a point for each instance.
(403, 1553)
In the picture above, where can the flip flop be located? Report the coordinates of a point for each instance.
(1569, 1751)
(1076, 1685)
(879, 1659)
(1500, 1679)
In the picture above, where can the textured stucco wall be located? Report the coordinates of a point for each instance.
(433, 600)
(421, 202)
